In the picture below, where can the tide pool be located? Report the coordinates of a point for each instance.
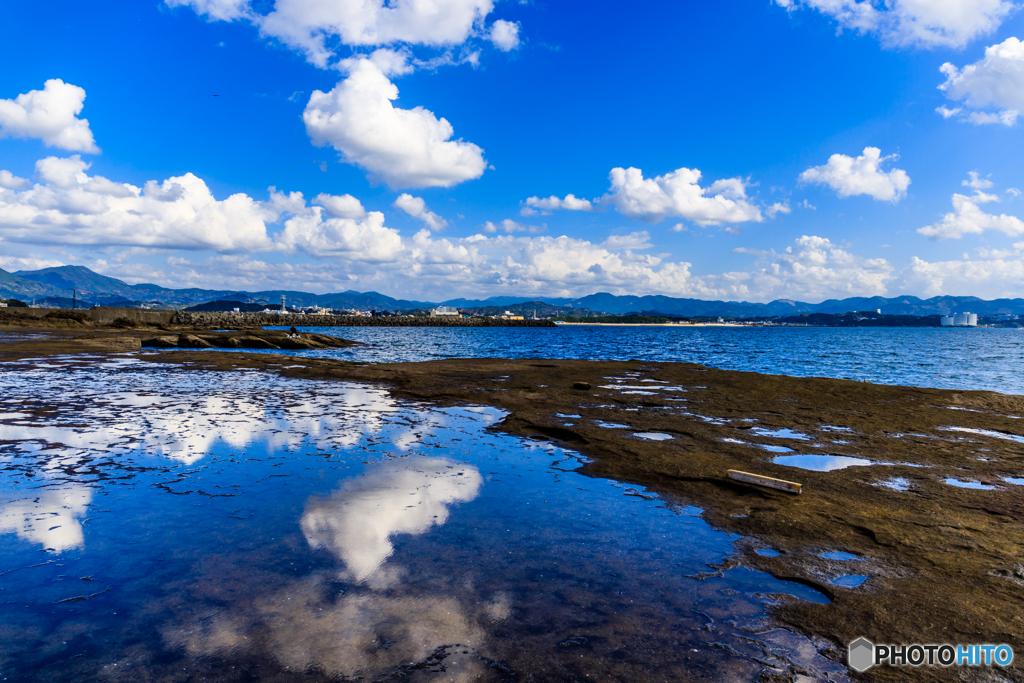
(160, 523)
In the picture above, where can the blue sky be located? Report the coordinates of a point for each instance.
(751, 150)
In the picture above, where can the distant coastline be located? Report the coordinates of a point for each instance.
(216, 319)
(77, 286)
(560, 323)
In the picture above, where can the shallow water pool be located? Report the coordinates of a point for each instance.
(820, 463)
(160, 523)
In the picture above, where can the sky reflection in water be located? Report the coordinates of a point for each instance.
(161, 523)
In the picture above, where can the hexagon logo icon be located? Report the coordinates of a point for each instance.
(861, 655)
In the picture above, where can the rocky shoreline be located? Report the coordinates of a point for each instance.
(60, 318)
(249, 339)
(941, 562)
(187, 318)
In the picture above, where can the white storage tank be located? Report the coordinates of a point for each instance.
(960, 320)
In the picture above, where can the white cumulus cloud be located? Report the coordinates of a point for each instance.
(1006, 117)
(417, 208)
(777, 208)
(968, 218)
(919, 23)
(10, 181)
(220, 10)
(314, 27)
(999, 276)
(813, 268)
(974, 180)
(51, 115)
(69, 207)
(341, 206)
(850, 176)
(509, 226)
(404, 147)
(368, 240)
(505, 35)
(547, 205)
(994, 82)
(679, 194)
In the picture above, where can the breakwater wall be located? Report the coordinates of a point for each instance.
(218, 319)
(103, 315)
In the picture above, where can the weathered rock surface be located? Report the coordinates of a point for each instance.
(191, 341)
(247, 339)
(165, 342)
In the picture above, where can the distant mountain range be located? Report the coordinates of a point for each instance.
(57, 283)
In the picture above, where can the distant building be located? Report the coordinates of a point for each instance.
(960, 320)
(3, 304)
(444, 311)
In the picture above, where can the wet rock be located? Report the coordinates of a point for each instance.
(1014, 573)
(160, 343)
(250, 342)
(573, 641)
(583, 386)
(223, 341)
(293, 344)
(191, 341)
(118, 344)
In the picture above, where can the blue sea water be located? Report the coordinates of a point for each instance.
(945, 358)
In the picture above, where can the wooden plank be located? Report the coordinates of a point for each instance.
(769, 482)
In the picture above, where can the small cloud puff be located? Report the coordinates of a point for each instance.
(505, 35)
(417, 208)
(861, 175)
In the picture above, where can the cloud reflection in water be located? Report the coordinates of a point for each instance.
(50, 519)
(304, 626)
(357, 522)
(180, 427)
